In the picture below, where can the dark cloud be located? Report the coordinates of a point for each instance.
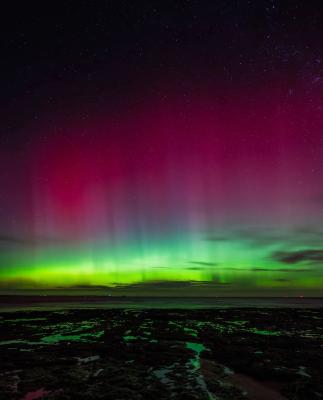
(294, 257)
(92, 287)
(281, 270)
(144, 286)
(282, 280)
(173, 285)
(159, 284)
(256, 269)
(260, 269)
(211, 283)
(204, 263)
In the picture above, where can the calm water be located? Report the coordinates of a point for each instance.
(10, 303)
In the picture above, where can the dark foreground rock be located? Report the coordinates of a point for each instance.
(162, 354)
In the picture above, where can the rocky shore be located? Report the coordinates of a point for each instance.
(162, 354)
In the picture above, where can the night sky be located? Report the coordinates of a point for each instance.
(162, 147)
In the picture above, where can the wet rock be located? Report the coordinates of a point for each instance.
(173, 354)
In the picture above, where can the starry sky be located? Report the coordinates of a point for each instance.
(167, 148)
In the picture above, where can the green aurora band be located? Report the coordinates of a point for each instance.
(230, 266)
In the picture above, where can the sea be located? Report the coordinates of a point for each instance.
(50, 302)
